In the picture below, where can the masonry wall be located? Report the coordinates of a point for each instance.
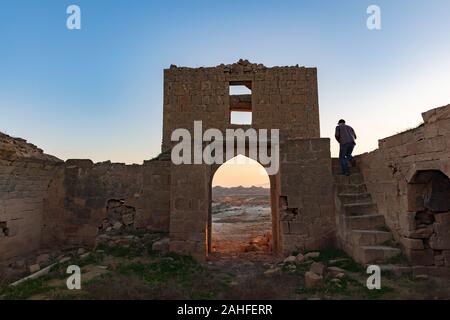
(392, 174)
(302, 199)
(77, 201)
(46, 203)
(190, 201)
(284, 98)
(307, 220)
(25, 172)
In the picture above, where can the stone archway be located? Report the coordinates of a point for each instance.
(274, 210)
(302, 189)
(301, 194)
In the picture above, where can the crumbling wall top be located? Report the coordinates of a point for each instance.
(239, 67)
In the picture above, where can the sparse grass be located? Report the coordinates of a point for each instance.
(157, 277)
(347, 288)
(135, 272)
(352, 286)
(329, 288)
(347, 263)
(330, 254)
(257, 287)
(377, 293)
(129, 251)
(420, 124)
(162, 156)
(184, 272)
(26, 289)
(350, 265)
(161, 271)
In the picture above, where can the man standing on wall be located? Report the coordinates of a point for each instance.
(346, 137)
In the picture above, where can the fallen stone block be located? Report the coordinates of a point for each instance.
(317, 268)
(415, 244)
(310, 255)
(290, 259)
(34, 268)
(313, 280)
(335, 271)
(272, 271)
(43, 258)
(299, 258)
(128, 219)
(117, 226)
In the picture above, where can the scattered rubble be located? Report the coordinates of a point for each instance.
(119, 216)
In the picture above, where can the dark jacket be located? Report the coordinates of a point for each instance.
(345, 134)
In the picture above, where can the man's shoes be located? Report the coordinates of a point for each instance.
(346, 174)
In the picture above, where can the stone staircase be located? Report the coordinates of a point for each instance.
(362, 229)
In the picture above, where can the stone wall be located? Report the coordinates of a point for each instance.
(284, 98)
(302, 201)
(85, 195)
(401, 176)
(307, 220)
(190, 202)
(46, 203)
(25, 173)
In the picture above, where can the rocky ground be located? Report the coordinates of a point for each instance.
(138, 266)
(131, 264)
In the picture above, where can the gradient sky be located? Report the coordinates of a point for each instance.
(97, 93)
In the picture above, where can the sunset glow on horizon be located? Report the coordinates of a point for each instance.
(241, 171)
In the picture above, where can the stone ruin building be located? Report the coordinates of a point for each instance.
(395, 202)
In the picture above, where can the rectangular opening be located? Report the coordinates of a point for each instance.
(241, 117)
(240, 93)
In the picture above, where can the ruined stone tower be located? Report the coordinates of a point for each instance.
(284, 98)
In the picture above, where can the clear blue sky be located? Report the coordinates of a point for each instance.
(97, 93)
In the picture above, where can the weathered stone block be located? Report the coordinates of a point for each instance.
(414, 244)
(421, 257)
(313, 281)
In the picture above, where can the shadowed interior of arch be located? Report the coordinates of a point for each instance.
(241, 211)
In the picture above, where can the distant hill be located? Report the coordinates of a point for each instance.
(221, 191)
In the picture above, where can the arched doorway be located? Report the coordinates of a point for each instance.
(243, 209)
